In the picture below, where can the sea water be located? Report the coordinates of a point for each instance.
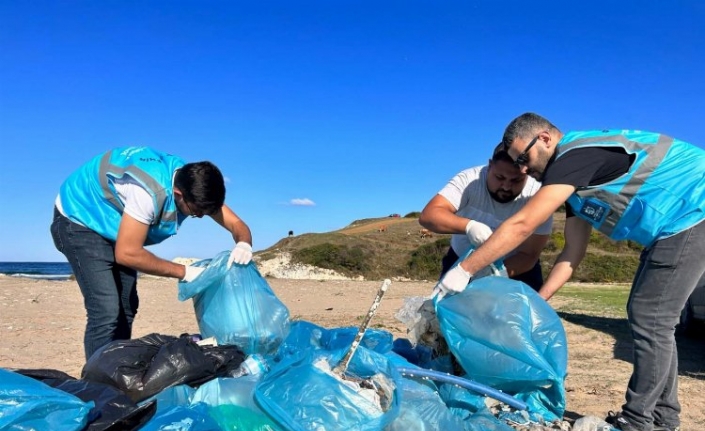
(39, 270)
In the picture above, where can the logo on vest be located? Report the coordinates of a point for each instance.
(594, 210)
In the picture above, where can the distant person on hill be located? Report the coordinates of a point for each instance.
(477, 201)
(630, 185)
(109, 209)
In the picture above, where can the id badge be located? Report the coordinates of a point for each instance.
(595, 210)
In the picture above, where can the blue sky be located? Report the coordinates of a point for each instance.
(360, 109)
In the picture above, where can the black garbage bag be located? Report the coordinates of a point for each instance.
(113, 409)
(145, 366)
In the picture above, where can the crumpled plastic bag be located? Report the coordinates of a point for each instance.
(113, 409)
(144, 366)
(591, 423)
(418, 314)
(301, 392)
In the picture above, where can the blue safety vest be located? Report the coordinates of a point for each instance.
(662, 194)
(88, 195)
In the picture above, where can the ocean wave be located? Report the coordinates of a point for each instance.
(39, 276)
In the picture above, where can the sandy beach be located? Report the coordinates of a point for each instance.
(42, 324)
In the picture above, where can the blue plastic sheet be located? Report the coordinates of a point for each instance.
(236, 305)
(28, 404)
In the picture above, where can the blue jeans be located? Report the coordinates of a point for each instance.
(669, 271)
(109, 289)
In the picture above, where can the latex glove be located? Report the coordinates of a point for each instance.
(241, 254)
(192, 272)
(454, 281)
(477, 232)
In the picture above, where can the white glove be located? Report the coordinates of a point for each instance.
(192, 272)
(454, 281)
(477, 232)
(241, 254)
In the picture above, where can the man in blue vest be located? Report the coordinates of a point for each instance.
(629, 185)
(109, 209)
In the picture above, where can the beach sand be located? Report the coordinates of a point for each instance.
(42, 324)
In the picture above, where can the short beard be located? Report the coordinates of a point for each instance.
(502, 200)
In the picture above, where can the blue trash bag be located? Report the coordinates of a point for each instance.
(236, 306)
(305, 335)
(232, 405)
(471, 407)
(422, 409)
(434, 400)
(301, 393)
(227, 390)
(506, 336)
(28, 404)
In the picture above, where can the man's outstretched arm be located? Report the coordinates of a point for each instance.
(517, 228)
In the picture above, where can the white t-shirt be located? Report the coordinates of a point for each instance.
(467, 192)
(137, 201)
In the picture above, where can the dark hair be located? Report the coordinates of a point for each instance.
(500, 154)
(525, 126)
(201, 184)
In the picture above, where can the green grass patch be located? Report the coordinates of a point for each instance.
(600, 300)
(601, 268)
(425, 262)
(341, 258)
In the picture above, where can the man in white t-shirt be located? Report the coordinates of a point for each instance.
(475, 202)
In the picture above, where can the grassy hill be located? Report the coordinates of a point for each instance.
(606, 261)
(386, 247)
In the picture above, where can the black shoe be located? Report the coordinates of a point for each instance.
(620, 422)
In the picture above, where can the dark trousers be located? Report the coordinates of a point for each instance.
(533, 277)
(669, 271)
(109, 289)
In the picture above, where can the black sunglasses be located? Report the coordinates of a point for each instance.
(523, 158)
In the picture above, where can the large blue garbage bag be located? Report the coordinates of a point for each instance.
(237, 306)
(301, 393)
(506, 336)
(28, 404)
